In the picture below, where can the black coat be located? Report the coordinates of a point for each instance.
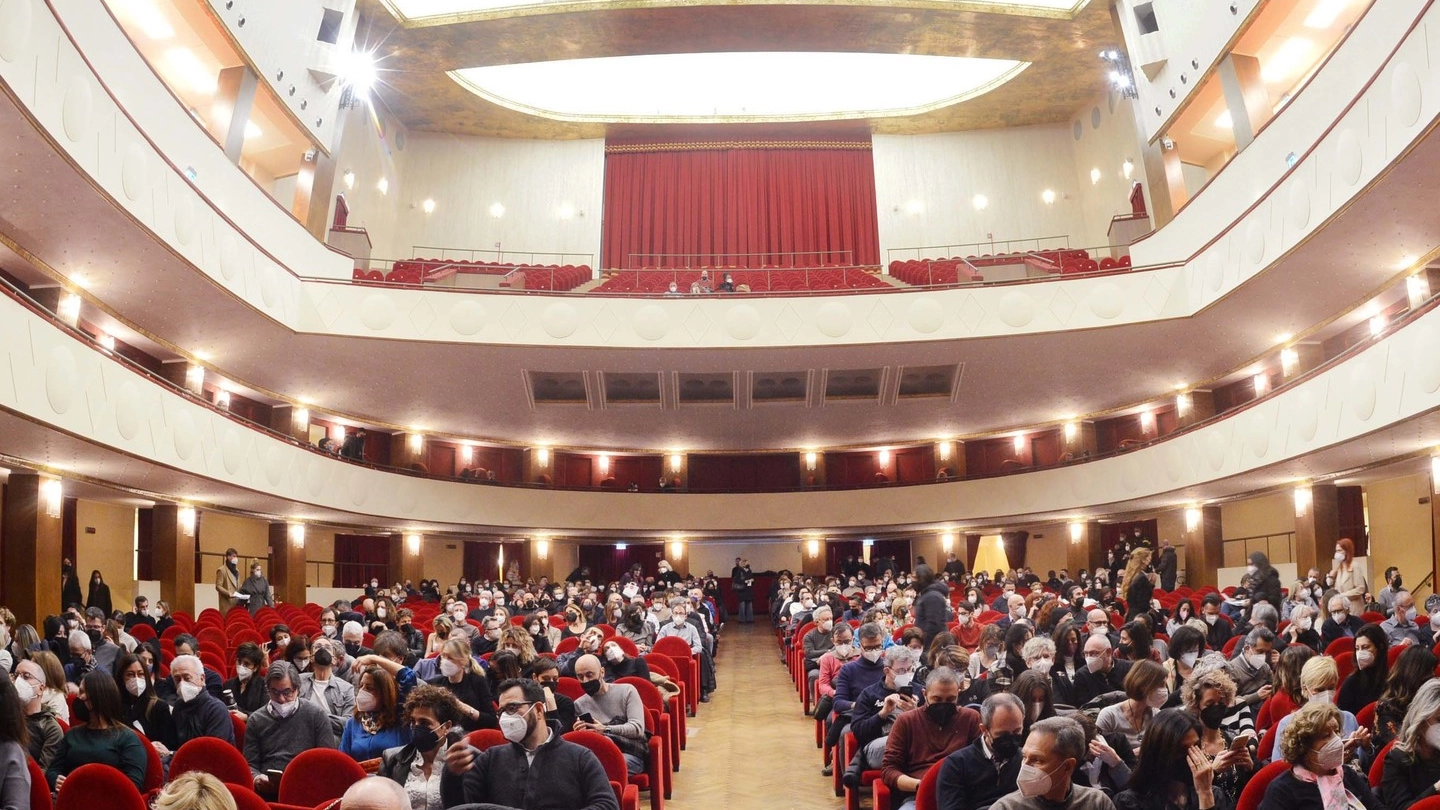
(562, 774)
(99, 598)
(1287, 792)
(742, 582)
(969, 781)
(1166, 567)
(932, 610)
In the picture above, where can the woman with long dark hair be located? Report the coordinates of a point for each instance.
(1413, 669)
(1372, 666)
(143, 708)
(104, 738)
(14, 743)
(99, 593)
(1171, 771)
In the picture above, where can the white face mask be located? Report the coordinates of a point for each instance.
(1256, 660)
(1364, 658)
(1339, 556)
(1035, 711)
(283, 710)
(1041, 665)
(243, 672)
(328, 630)
(188, 691)
(872, 655)
(1095, 664)
(1032, 781)
(1305, 624)
(1158, 698)
(365, 700)
(1189, 659)
(514, 726)
(379, 613)
(1330, 757)
(25, 690)
(1211, 618)
(903, 679)
(1251, 570)
(449, 668)
(135, 686)
(615, 654)
(1327, 696)
(1339, 616)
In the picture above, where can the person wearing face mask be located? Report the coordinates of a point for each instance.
(932, 602)
(1218, 628)
(246, 688)
(103, 739)
(405, 626)
(1346, 577)
(144, 710)
(842, 651)
(196, 712)
(432, 716)
(1146, 693)
(1372, 667)
(919, 740)
(376, 724)
(975, 776)
(616, 710)
(1311, 743)
(1401, 628)
(1413, 669)
(1412, 766)
(877, 708)
(1171, 770)
(1318, 681)
(539, 768)
(488, 639)
(321, 684)
(353, 638)
(1341, 623)
(1039, 654)
(45, 732)
(1251, 668)
(575, 622)
(227, 582)
(1208, 698)
(634, 626)
(287, 725)
(1049, 759)
(817, 642)
(257, 588)
(1304, 628)
(619, 665)
(462, 677)
(1186, 647)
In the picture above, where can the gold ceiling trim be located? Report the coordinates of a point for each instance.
(842, 115)
(534, 9)
(702, 146)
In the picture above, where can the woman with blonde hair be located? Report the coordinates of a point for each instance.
(1348, 581)
(1207, 697)
(1313, 745)
(517, 639)
(194, 790)
(1412, 768)
(462, 677)
(441, 631)
(1139, 586)
(1318, 681)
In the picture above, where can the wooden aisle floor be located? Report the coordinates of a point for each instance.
(751, 748)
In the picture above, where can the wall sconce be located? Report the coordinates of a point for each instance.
(69, 308)
(1417, 289)
(944, 450)
(187, 520)
(542, 456)
(1094, 176)
(383, 186)
(1077, 531)
(884, 458)
(677, 549)
(1262, 384)
(1128, 167)
(222, 399)
(106, 341)
(416, 442)
(914, 207)
(981, 202)
(349, 178)
(1377, 325)
(428, 206)
(810, 460)
(1147, 420)
(676, 460)
(812, 546)
(412, 542)
(542, 548)
(1302, 500)
(497, 210)
(1182, 404)
(1289, 361)
(52, 494)
(1047, 196)
(947, 542)
(604, 464)
(1071, 431)
(1019, 443)
(195, 377)
(1192, 518)
(467, 453)
(297, 535)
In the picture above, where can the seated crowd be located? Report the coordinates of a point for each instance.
(1115, 689)
(401, 682)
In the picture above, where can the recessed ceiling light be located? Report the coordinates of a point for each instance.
(1224, 121)
(1284, 62)
(252, 131)
(981, 202)
(1325, 13)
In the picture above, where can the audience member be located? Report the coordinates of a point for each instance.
(973, 777)
(558, 706)
(194, 790)
(1208, 698)
(1146, 693)
(286, 726)
(1401, 628)
(247, 688)
(45, 733)
(1372, 666)
(143, 708)
(462, 676)
(1051, 755)
(196, 712)
(433, 717)
(1413, 669)
(55, 684)
(1318, 681)
(920, 739)
(1171, 770)
(1341, 623)
(1103, 673)
(104, 738)
(376, 724)
(877, 708)
(1412, 766)
(615, 710)
(322, 685)
(1317, 778)
(1347, 580)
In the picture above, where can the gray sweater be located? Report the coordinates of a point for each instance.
(271, 742)
(621, 700)
(1081, 798)
(14, 778)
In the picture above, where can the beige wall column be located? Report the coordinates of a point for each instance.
(292, 421)
(1078, 439)
(1245, 96)
(406, 558)
(538, 462)
(172, 555)
(230, 110)
(1317, 525)
(1201, 406)
(812, 469)
(950, 455)
(1203, 539)
(406, 449)
(30, 559)
(1084, 550)
(287, 562)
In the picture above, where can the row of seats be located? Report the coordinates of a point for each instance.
(922, 272)
(537, 276)
(954, 270)
(829, 277)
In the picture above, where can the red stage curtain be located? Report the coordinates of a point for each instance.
(358, 558)
(740, 204)
(608, 564)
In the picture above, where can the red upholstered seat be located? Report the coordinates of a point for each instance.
(1377, 768)
(245, 797)
(213, 756)
(95, 786)
(1255, 791)
(154, 769)
(39, 788)
(318, 775)
(570, 687)
(486, 738)
(614, 764)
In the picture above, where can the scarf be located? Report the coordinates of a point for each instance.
(1332, 788)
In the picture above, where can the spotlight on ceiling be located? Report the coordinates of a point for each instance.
(1122, 79)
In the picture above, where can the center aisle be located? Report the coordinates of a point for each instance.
(750, 746)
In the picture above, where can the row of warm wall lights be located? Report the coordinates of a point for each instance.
(428, 205)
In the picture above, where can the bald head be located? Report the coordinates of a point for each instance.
(587, 668)
(375, 793)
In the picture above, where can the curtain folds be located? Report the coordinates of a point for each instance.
(740, 207)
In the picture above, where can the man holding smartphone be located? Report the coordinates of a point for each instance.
(877, 708)
(613, 709)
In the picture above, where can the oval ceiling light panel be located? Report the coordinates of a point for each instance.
(737, 87)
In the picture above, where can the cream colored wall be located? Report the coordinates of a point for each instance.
(444, 559)
(1049, 552)
(925, 186)
(372, 156)
(1171, 526)
(1253, 517)
(249, 537)
(111, 549)
(319, 545)
(1105, 148)
(1400, 529)
(763, 556)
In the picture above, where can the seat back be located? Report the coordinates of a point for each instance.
(674, 646)
(39, 788)
(94, 785)
(318, 775)
(154, 768)
(925, 794)
(486, 738)
(604, 750)
(570, 687)
(1377, 769)
(245, 797)
(213, 756)
(1254, 792)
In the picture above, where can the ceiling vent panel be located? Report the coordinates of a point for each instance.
(858, 384)
(780, 386)
(557, 387)
(624, 388)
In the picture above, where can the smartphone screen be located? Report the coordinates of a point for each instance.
(587, 718)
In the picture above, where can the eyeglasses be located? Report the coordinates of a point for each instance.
(282, 694)
(516, 708)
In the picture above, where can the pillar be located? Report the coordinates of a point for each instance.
(406, 449)
(1077, 440)
(1317, 525)
(230, 111)
(678, 474)
(812, 469)
(287, 562)
(172, 555)
(1085, 550)
(1192, 407)
(950, 459)
(1204, 545)
(677, 553)
(406, 558)
(292, 421)
(30, 559)
(1245, 96)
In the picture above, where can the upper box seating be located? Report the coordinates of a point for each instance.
(923, 272)
(552, 277)
(654, 281)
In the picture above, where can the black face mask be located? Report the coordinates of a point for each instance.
(1005, 746)
(592, 688)
(96, 638)
(1395, 583)
(79, 712)
(353, 648)
(1213, 716)
(322, 658)
(424, 738)
(940, 713)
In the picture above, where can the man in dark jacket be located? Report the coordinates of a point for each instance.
(196, 712)
(1103, 672)
(742, 582)
(538, 768)
(1166, 566)
(354, 446)
(932, 605)
(974, 777)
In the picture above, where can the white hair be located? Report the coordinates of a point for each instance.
(187, 660)
(352, 629)
(79, 640)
